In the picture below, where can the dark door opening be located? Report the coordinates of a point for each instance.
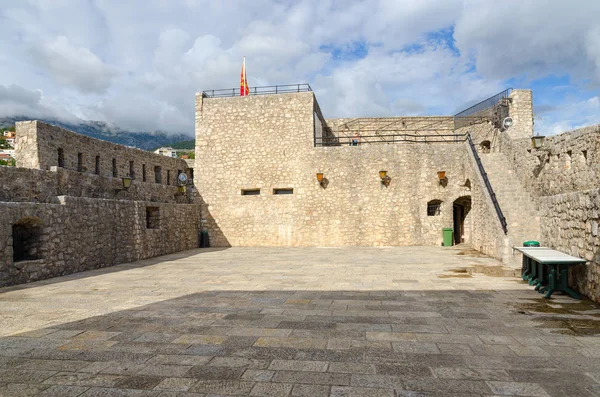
(27, 239)
(460, 209)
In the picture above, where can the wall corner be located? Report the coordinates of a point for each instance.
(521, 111)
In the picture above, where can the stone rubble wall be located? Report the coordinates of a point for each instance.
(570, 225)
(520, 109)
(488, 236)
(38, 144)
(88, 220)
(567, 162)
(563, 176)
(85, 233)
(40, 186)
(266, 143)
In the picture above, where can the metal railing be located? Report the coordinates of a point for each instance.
(264, 90)
(488, 185)
(486, 103)
(477, 113)
(388, 138)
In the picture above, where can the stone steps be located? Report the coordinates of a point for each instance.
(518, 206)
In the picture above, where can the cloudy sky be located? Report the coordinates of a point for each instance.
(137, 64)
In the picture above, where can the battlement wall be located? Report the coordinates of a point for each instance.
(567, 162)
(40, 186)
(42, 146)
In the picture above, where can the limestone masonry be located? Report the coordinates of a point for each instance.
(66, 210)
(255, 183)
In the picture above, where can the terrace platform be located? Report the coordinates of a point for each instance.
(354, 321)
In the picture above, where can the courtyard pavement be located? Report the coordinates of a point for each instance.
(399, 321)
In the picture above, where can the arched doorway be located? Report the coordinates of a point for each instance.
(460, 211)
(486, 146)
(27, 239)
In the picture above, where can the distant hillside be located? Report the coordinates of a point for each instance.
(183, 145)
(100, 130)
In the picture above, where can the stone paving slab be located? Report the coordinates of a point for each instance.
(402, 321)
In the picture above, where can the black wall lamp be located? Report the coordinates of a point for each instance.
(385, 179)
(537, 141)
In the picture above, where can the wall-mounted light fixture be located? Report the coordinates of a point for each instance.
(126, 180)
(442, 178)
(322, 180)
(385, 179)
(537, 141)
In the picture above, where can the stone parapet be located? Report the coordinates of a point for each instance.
(39, 186)
(78, 234)
(43, 146)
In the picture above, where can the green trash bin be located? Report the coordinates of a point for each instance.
(448, 235)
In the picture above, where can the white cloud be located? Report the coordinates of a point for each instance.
(72, 66)
(138, 64)
(19, 101)
(568, 116)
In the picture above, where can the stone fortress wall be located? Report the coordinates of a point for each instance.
(564, 177)
(64, 219)
(257, 186)
(43, 146)
(267, 143)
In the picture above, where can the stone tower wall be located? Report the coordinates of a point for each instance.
(267, 143)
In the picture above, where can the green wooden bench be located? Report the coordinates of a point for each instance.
(548, 269)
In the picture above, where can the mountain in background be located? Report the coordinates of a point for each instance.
(100, 130)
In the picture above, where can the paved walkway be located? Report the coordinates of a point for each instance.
(403, 321)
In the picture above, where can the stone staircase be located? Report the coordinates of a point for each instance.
(520, 208)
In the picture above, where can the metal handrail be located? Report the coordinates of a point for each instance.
(487, 184)
(486, 103)
(264, 90)
(388, 138)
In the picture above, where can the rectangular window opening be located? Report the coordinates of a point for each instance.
(434, 208)
(250, 192)
(168, 177)
(114, 168)
(97, 168)
(283, 191)
(144, 172)
(152, 217)
(79, 162)
(132, 169)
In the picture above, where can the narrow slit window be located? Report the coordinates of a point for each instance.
(97, 170)
(250, 192)
(61, 157)
(79, 162)
(283, 191)
(114, 168)
(144, 172)
(168, 177)
(157, 174)
(132, 169)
